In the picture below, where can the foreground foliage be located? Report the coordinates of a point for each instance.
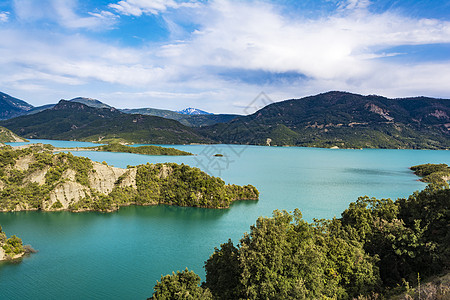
(182, 285)
(376, 249)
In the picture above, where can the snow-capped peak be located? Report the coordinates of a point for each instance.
(193, 111)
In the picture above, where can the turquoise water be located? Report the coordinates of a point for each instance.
(120, 255)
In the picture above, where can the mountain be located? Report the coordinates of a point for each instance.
(87, 101)
(193, 111)
(90, 102)
(341, 119)
(11, 107)
(76, 121)
(185, 119)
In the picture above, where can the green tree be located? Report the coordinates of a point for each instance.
(223, 272)
(180, 286)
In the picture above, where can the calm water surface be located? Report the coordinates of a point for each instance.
(120, 255)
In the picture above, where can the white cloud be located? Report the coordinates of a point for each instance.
(62, 12)
(354, 4)
(152, 7)
(338, 52)
(4, 16)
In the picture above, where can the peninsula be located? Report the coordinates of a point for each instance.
(433, 173)
(35, 178)
(117, 147)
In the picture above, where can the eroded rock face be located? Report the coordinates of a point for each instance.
(2, 253)
(130, 178)
(67, 193)
(104, 177)
(165, 171)
(23, 163)
(37, 176)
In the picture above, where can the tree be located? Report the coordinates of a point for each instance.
(223, 272)
(180, 286)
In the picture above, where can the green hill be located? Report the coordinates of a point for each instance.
(344, 120)
(76, 121)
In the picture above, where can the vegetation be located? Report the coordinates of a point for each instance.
(180, 286)
(152, 184)
(147, 150)
(344, 120)
(433, 173)
(12, 246)
(375, 250)
(7, 136)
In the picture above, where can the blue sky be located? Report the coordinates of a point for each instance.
(219, 55)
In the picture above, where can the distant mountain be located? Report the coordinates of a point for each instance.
(188, 120)
(86, 101)
(193, 111)
(163, 113)
(90, 102)
(343, 120)
(76, 121)
(11, 107)
(39, 109)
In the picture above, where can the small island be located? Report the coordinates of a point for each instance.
(10, 248)
(32, 177)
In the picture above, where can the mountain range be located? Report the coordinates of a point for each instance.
(76, 121)
(332, 119)
(11, 107)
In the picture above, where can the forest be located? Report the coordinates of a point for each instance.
(378, 248)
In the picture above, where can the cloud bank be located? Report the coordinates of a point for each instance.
(231, 51)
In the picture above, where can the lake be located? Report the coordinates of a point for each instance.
(120, 255)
